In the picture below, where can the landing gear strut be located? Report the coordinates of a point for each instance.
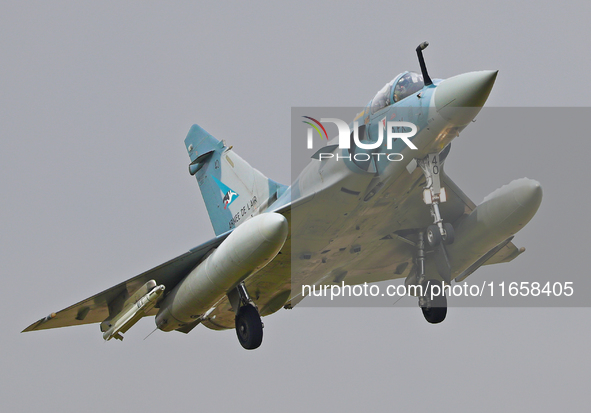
(433, 302)
(433, 194)
(439, 233)
(249, 326)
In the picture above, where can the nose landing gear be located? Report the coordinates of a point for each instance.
(433, 194)
(436, 237)
(439, 233)
(433, 302)
(432, 298)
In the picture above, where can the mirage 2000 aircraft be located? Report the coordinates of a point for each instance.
(372, 205)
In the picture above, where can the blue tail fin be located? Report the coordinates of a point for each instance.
(233, 191)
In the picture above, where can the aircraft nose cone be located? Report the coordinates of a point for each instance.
(460, 98)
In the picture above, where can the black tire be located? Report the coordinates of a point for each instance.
(436, 311)
(249, 327)
(433, 235)
(450, 234)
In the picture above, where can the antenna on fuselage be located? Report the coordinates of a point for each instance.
(420, 49)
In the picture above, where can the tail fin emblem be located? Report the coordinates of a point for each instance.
(229, 194)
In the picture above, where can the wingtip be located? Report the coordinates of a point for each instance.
(36, 324)
(32, 326)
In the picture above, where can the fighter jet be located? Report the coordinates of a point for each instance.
(373, 204)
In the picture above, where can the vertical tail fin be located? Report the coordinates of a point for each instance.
(233, 190)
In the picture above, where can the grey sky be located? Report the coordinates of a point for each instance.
(96, 101)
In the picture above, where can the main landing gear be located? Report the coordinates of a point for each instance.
(249, 326)
(437, 235)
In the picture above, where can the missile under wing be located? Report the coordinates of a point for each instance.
(95, 309)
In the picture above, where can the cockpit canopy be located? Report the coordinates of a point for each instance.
(382, 98)
(406, 84)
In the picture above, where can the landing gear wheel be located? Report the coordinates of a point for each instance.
(434, 310)
(450, 234)
(249, 327)
(433, 235)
